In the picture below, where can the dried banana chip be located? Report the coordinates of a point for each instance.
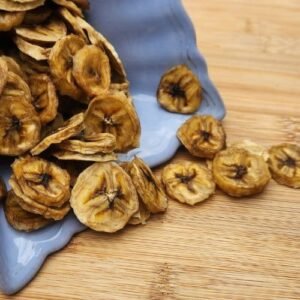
(13, 6)
(14, 67)
(141, 216)
(3, 191)
(113, 113)
(38, 15)
(19, 126)
(70, 5)
(21, 219)
(31, 66)
(284, 164)
(48, 32)
(98, 157)
(239, 173)
(104, 198)
(3, 74)
(44, 98)
(188, 182)
(10, 20)
(70, 128)
(91, 70)
(61, 65)
(147, 185)
(180, 91)
(202, 136)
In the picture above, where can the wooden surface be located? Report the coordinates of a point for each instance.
(223, 249)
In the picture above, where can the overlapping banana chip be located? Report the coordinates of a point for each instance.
(19, 5)
(71, 155)
(30, 66)
(3, 191)
(21, 219)
(240, 173)
(180, 91)
(104, 197)
(284, 164)
(141, 216)
(188, 182)
(14, 67)
(10, 20)
(202, 136)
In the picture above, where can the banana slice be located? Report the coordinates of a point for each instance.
(70, 5)
(38, 15)
(13, 6)
(3, 191)
(180, 91)
(141, 216)
(70, 128)
(19, 218)
(48, 32)
(14, 67)
(202, 136)
(239, 173)
(188, 182)
(113, 113)
(91, 70)
(19, 126)
(98, 157)
(44, 98)
(104, 197)
(147, 185)
(10, 20)
(284, 164)
(3, 74)
(61, 65)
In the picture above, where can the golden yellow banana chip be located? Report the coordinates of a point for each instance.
(147, 185)
(141, 216)
(70, 5)
(70, 128)
(284, 164)
(21, 219)
(3, 74)
(71, 155)
(104, 197)
(13, 6)
(44, 98)
(180, 91)
(113, 113)
(10, 20)
(239, 173)
(3, 191)
(38, 15)
(188, 182)
(13, 67)
(91, 70)
(202, 136)
(19, 126)
(61, 65)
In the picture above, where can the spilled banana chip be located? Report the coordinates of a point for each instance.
(70, 128)
(10, 20)
(240, 173)
(71, 155)
(21, 219)
(91, 70)
(44, 98)
(70, 5)
(19, 126)
(147, 185)
(38, 15)
(3, 74)
(141, 216)
(113, 113)
(202, 136)
(284, 164)
(180, 91)
(13, 6)
(104, 197)
(3, 191)
(188, 182)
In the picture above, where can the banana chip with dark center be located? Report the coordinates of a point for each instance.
(10, 20)
(3, 191)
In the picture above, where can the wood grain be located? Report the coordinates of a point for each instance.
(225, 248)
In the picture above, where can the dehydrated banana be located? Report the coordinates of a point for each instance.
(71, 155)
(3, 191)
(202, 136)
(113, 113)
(180, 90)
(147, 185)
(31, 66)
(13, 6)
(10, 20)
(44, 98)
(3, 74)
(14, 67)
(104, 197)
(239, 173)
(91, 70)
(61, 65)
(141, 216)
(19, 126)
(188, 182)
(284, 164)
(70, 128)
(21, 219)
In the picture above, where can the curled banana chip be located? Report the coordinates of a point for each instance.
(13, 67)
(284, 164)
(70, 5)
(3, 74)
(3, 191)
(202, 136)
(44, 98)
(104, 197)
(239, 173)
(19, 126)
(180, 91)
(10, 20)
(13, 6)
(147, 185)
(188, 182)
(113, 113)
(38, 15)
(61, 65)
(91, 70)
(21, 219)
(141, 216)
(71, 155)
(70, 128)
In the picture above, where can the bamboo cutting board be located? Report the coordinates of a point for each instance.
(225, 248)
